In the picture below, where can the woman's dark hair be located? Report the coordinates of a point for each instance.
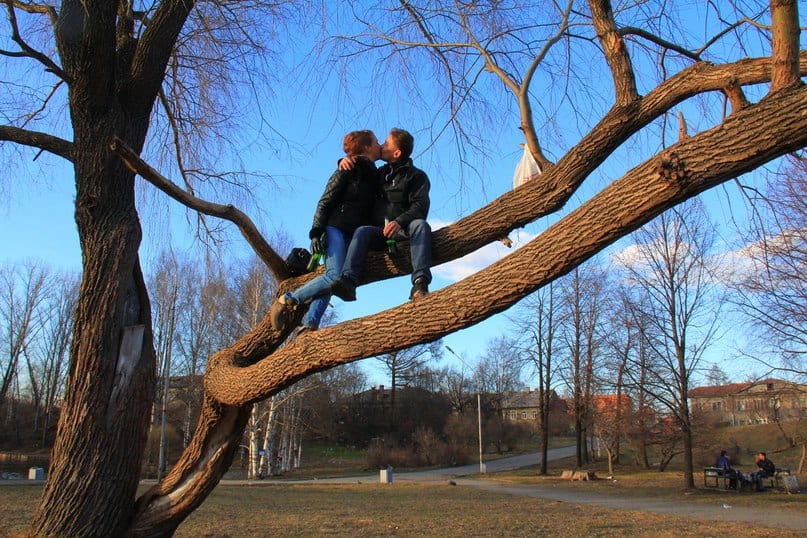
(357, 141)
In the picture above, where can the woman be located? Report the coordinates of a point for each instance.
(346, 204)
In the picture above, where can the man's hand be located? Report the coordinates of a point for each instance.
(347, 163)
(391, 229)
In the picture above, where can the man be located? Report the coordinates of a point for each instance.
(724, 463)
(765, 468)
(404, 208)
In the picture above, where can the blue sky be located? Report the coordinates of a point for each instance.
(312, 113)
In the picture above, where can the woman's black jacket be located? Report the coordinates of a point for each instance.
(348, 200)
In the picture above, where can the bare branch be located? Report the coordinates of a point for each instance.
(26, 49)
(527, 122)
(228, 212)
(53, 144)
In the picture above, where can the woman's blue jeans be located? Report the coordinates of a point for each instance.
(319, 289)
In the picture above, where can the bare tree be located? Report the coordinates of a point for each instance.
(620, 341)
(772, 292)
(497, 373)
(539, 310)
(580, 309)
(403, 367)
(23, 290)
(50, 350)
(672, 266)
(457, 386)
(112, 69)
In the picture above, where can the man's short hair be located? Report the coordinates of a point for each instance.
(404, 141)
(356, 142)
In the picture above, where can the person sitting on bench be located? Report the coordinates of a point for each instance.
(765, 469)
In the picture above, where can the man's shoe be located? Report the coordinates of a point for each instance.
(420, 288)
(344, 288)
(282, 312)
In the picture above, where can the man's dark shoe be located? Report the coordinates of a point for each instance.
(282, 313)
(420, 288)
(344, 288)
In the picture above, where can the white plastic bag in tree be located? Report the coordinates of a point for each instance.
(526, 169)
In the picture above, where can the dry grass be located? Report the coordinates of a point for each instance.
(399, 510)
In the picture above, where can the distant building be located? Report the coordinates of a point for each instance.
(757, 402)
(522, 407)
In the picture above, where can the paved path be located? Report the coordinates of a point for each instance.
(720, 509)
(448, 473)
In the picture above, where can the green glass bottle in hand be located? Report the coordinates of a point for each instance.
(391, 245)
(317, 252)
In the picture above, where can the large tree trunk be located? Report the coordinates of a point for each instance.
(96, 461)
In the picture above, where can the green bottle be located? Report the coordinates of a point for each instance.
(392, 247)
(317, 255)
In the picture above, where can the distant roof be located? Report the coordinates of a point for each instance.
(717, 391)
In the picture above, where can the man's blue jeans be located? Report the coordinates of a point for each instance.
(320, 287)
(367, 238)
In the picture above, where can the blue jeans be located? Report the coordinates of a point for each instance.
(367, 238)
(320, 287)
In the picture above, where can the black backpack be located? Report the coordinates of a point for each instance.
(297, 261)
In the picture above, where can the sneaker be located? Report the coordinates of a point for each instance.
(282, 312)
(420, 288)
(344, 288)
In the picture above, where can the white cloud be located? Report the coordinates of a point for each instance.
(467, 265)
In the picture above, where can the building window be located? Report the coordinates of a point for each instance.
(524, 414)
(769, 386)
(740, 405)
(534, 414)
(512, 415)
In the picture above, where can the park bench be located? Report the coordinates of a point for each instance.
(778, 480)
(718, 478)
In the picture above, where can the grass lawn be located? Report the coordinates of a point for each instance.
(405, 510)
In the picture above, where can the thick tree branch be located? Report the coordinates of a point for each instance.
(53, 144)
(273, 261)
(536, 199)
(153, 50)
(744, 142)
(785, 17)
(616, 53)
(162, 508)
